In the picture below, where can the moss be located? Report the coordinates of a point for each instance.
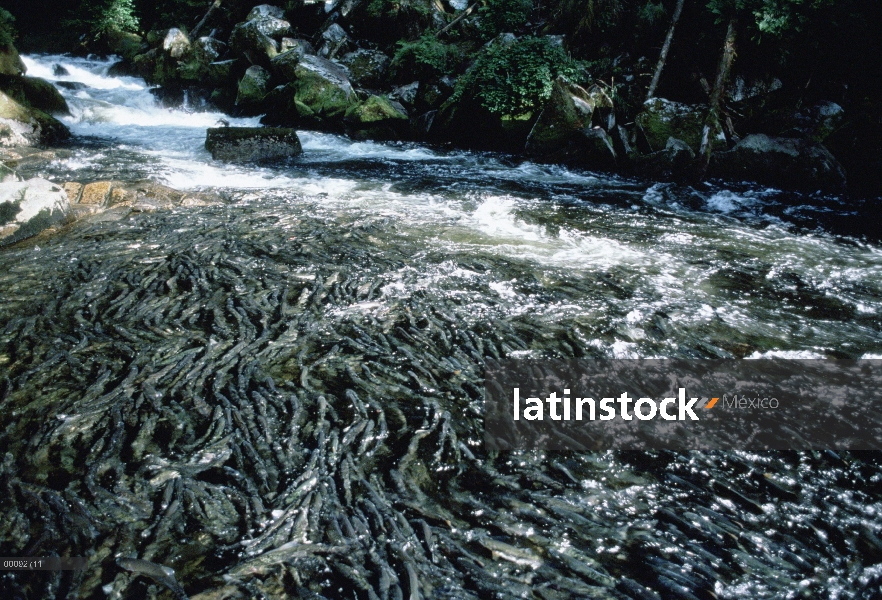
(374, 109)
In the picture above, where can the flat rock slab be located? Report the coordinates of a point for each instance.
(29, 207)
(252, 144)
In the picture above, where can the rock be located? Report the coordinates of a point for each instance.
(662, 119)
(673, 163)
(265, 10)
(255, 39)
(789, 163)
(10, 61)
(377, 118)
(35, 93)
(208, 49)
(29, 207)
(22, 125)
(820, 120)
(319, 96)
(224, 71)
(406, 94)
(96, 194)
(252, 144)
(59, 71)
(253, 86)
(336, 41)
(73, 191)
(300, 46)
(176, 43)
(595, 149)
(367, 68)
(284, 66)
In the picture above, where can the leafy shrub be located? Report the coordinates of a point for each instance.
(7, 30)
(501, 16)
(424, 58)
(516, 79)
(99, 17)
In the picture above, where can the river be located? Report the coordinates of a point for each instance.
(280, 396)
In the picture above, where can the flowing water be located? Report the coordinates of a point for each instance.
(280, 396)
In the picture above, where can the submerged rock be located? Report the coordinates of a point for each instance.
(673, 162)
(29, 207)
(252, 144)
(788, 163)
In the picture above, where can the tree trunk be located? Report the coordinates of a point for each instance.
(713, 115)
(214, 5)
(665, 49)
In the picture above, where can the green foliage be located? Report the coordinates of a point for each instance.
(389, 8)
(7, 30)
(773, 17)
(99, 17)
(425, 58)
(501, 16)
(588, 16)
(516, 79)
(651, 13)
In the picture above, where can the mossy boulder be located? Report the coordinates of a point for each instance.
(567, 112)
(252, 144)
(10, 61)
(378, 117)
(662, 119)
(36, 93)
(256, 39)
(318, 97)
(22, 125)
(123, 43)
(367, 68)
(788, 163)
(674, 162)
(253, 88)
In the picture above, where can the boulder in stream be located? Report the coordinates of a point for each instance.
(788, 163)
(29, 207)
(252, 144)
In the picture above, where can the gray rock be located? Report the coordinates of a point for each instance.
(208, 49)
(284, 65)
(252, 144)
(336, 41)
(556, 135)
(176, 43)
(265, 10)
(255, 39)
(29, 207)
(300, 46)
(788, 163)
(367, 68)
(406, 94)
(819, 120)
